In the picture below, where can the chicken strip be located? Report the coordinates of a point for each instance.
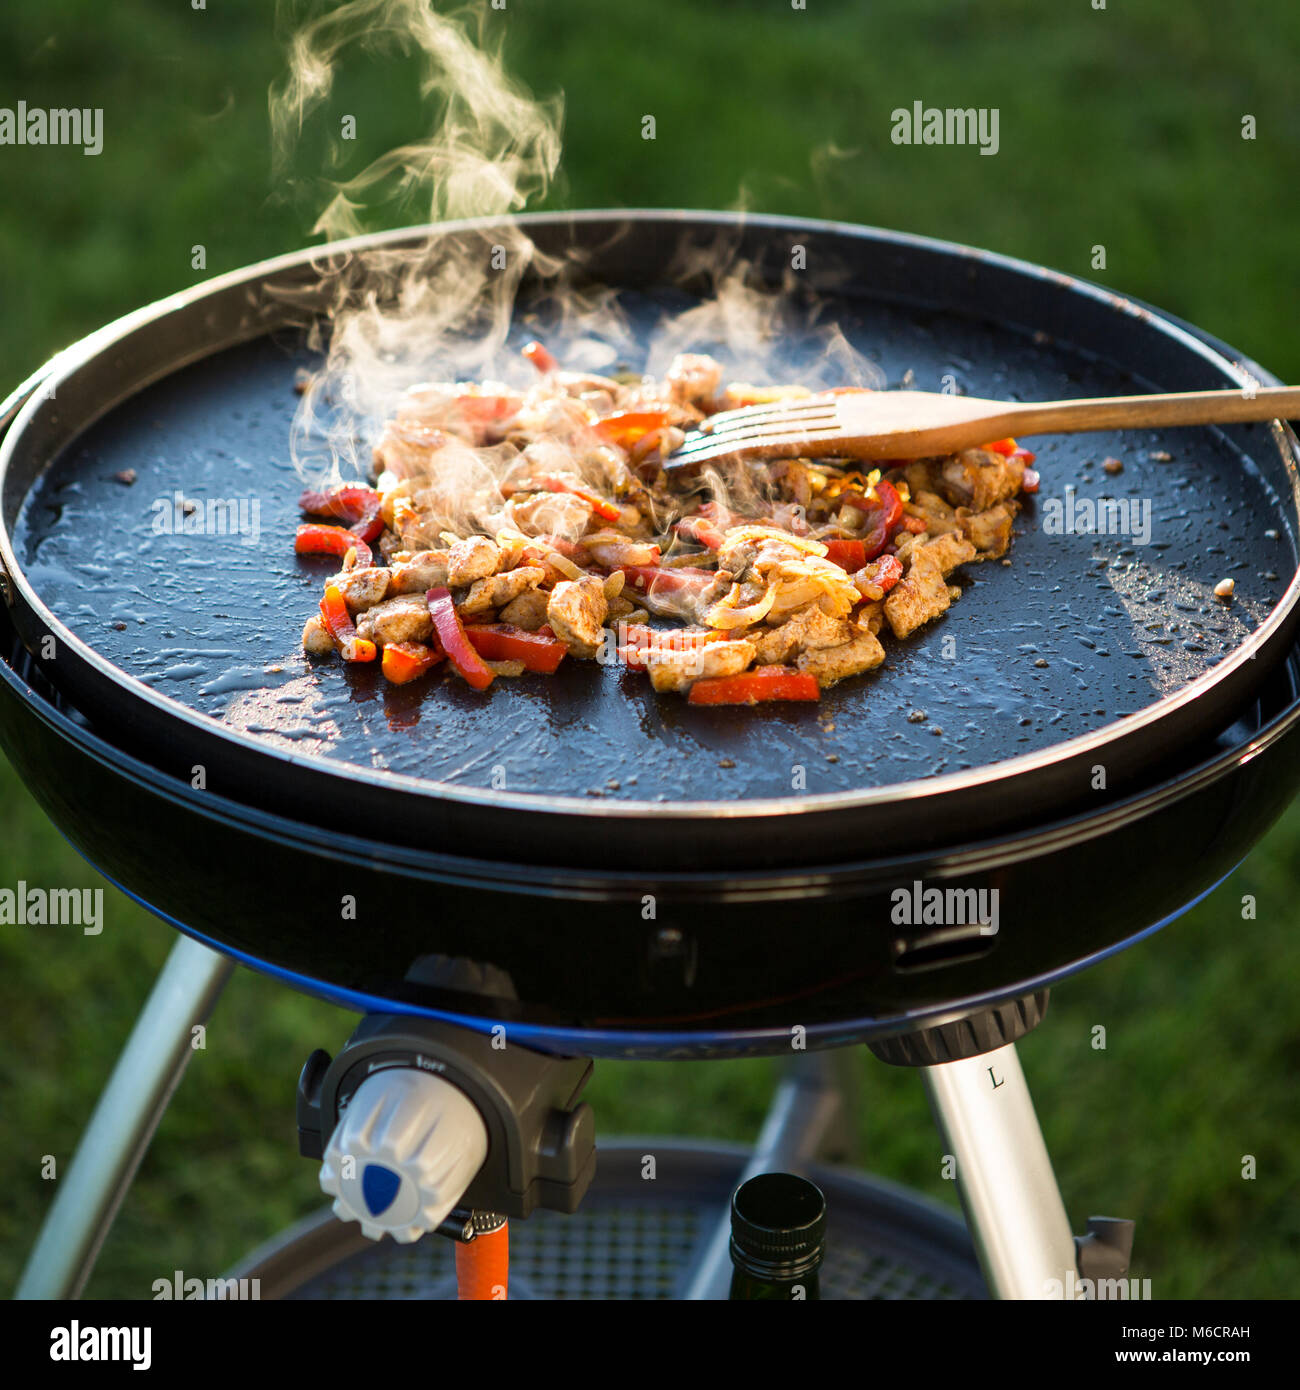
(316, 641)
(528, 611)
(576, 613)
(362, 588)
(420, 572)
(679, 669)
(500, 589)
(922, 593)
(978, 478)
(862, 652)
(947, 552)
(808, 630)
(693, 378)
(468, 560)
(990, 531)
(402, 619)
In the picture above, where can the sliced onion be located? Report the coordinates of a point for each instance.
(727, 619)
(564, 565)
(737, 535)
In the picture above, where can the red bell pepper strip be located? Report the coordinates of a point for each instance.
(848, 555)
(338, 623)
(351, 503)
(315, 539)
(1005, 447)
(1028, 455)
(702, 530)
(648, 578)
(755, 687)
(881, 573)
(465, 661)
(914, 524)
(607, 511)
(407, 661)
(889, 514)
(505, 642)
(628, 426)
(543, 360)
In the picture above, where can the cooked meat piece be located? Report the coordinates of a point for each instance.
(737, 557)
(716, 590)
(989, 532)
(871, 616)
(930, 508)
(315, 640)
(978, 478)
(831, 664)
(548, 513)
(619, 478)
(576, 613)
(679, 670)
(693, 378)
(609, 549)
(426, 569)
(407, 447)
(528, 611)
(362, 588)
(402, 619)
(409, 523)
(808, 630)
(946, 552)
(500, 589)
(922, 594)
(468, 560)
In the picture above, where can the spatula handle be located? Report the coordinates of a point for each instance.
(1178, 408)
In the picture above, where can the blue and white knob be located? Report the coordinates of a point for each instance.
(403, 1153)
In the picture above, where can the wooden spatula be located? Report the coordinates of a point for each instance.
(917, 424)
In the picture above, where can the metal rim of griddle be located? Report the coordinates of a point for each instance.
(1258, 740)
(1262, 645)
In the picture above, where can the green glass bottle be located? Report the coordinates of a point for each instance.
(778, 1238)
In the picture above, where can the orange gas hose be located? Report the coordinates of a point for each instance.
(483, 1265)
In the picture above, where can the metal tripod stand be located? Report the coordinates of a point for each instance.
(970, 1069)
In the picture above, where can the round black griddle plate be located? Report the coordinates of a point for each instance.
(1087, 656)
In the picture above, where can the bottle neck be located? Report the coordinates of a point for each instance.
(747, 1287)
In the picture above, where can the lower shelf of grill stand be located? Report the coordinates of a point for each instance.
(639, 1238)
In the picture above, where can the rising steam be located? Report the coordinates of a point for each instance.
(395, 316)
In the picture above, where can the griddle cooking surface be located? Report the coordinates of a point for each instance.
(1077, 631)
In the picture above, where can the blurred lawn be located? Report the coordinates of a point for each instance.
(1118, 129)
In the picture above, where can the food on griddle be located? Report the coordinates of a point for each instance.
(514, 528)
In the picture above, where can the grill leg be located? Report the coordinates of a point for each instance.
(128, 1112)
(1004, 1175)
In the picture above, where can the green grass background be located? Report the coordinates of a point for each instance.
(1119, 127)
